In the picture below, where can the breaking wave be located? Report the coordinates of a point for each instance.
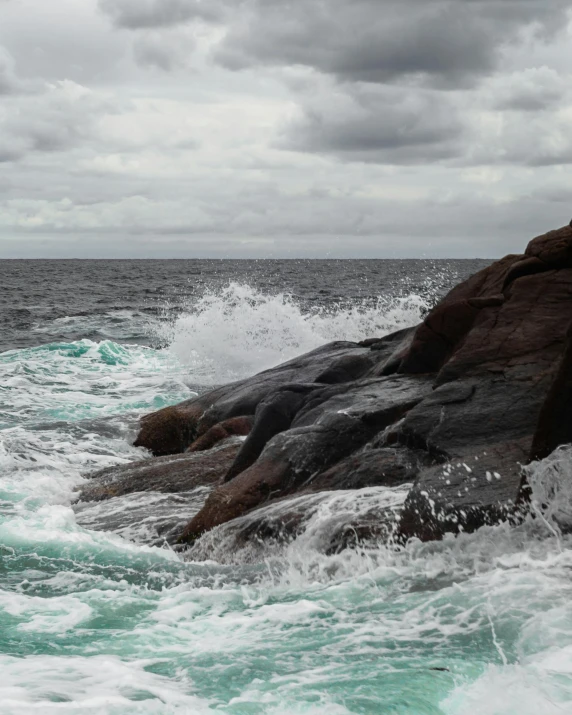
(238, 330)
(96, 621)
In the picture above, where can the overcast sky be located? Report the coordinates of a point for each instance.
(231, 128)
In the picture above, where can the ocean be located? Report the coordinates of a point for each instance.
(98, 615)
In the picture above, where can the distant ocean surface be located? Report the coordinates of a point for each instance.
(122, 300)
(94, 620)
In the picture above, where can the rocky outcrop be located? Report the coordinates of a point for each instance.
(170, 474)
(455, 407)
(233, 427)
(555, 422)
(324, 432)
(173, 429)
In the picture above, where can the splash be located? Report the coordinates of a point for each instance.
(71, 408)
(238, 331)
(551, 484)
(85, 379)
(95, 621)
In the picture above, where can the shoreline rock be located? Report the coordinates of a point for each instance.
(456, 406)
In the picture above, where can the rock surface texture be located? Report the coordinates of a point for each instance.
(455, 407)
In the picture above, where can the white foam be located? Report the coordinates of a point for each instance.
(301, 632)
(533, 688)
(86, 379)
(99, 684)
(551, 484)
(239, 330)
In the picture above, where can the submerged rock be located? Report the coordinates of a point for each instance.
(324, 522)
(455, 406)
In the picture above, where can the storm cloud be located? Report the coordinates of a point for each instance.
(259, 127)
(385, 124)
(9, 83)
(137, 14)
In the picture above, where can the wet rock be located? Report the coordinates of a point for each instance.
(325, 523)
(169, 474)
(524, 336)
(274, 414)
(168, 431)
(447, 325)
(488, 397)
(460, 417)
(346, 369)
(173, 429)
(554, 248)
(463, 494)
(382, 466)
(320, 437)
(554, 426)
(235, 426)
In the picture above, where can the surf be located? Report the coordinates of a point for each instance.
(93, 620)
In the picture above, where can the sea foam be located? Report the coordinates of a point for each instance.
(238, 330)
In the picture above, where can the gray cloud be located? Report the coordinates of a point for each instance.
(55, 120)
(454, 110)
(447, 43)
(534, 90)
(9, 83)
(463, 225)
(443, 42)
(136, 14)
(380, 124)
(161, 52)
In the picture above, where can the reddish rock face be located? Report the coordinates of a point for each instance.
(554, 248)
(168, 431)
(323, 435)
(172, 430)
(510, 356)
(555, 422)
(235, 426)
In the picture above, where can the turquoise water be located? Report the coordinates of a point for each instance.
(91, 622)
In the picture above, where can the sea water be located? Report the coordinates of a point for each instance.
(98, 617)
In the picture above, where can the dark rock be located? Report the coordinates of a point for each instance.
(325, 522)
(438, 336)
(554, 426)
(173, 429)
(168, 431)
(274, 414)
(381, 466)
(346, 369)
(319, 438)
(461, 417)
(463, 494)
(553, 248)
(444, 329)
(489, 396)
(170, 474)
(526, 267)
(235, 426)
(524, 336)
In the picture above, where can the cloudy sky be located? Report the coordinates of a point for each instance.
(238, 128)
